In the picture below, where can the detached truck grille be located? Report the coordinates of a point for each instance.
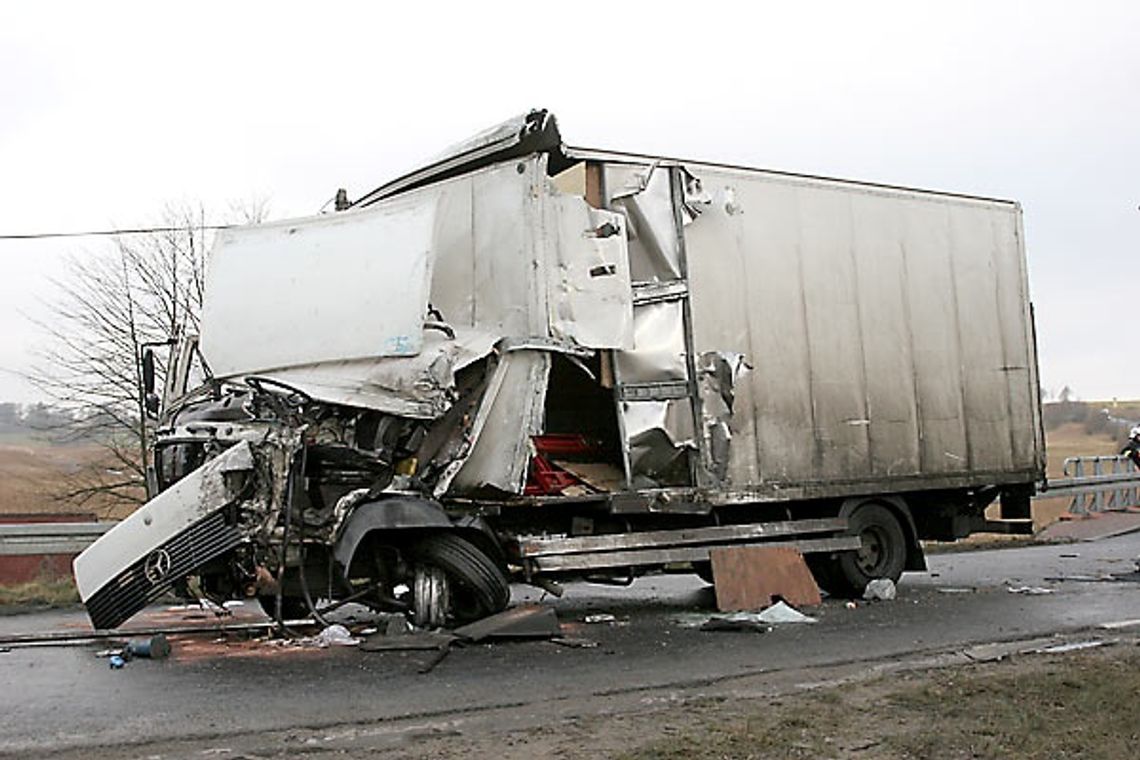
(135, 588)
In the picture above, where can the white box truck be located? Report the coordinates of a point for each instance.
(531, 361)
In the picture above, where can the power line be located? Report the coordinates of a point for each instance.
(113, 233)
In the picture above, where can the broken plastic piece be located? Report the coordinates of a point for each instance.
(782, 613)
(880, 588)
(1030, 590)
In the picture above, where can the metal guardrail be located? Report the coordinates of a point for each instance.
(1097, 484)
(18, 539)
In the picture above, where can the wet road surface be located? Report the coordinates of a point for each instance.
(67, 699)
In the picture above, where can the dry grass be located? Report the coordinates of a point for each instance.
(1079, 705)
(56, 592)
(33, 473)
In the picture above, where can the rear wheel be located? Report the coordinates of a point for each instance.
(882, 554)
(455, 582)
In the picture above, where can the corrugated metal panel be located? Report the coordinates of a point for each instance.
(887, 331)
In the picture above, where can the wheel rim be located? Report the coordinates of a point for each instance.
(430, 596)
(871, 556)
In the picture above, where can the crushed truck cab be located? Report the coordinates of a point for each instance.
(530, 361)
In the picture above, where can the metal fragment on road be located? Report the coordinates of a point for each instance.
(527, 621)
(417, 641)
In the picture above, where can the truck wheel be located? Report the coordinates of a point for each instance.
(883, 554)
(475, 587)
(430, 600)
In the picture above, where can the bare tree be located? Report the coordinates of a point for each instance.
(111, 303)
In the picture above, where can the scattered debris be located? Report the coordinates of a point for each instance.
(574, 642)
(882, 589)
(1116, 625)
(776, 614)
(116, 662)
(780, 612)
(414, 641)
(1030, 590)
(957, 590)
(527, 621)
(600, 617)
(334, 635)
(851, 605)
(1074, 555)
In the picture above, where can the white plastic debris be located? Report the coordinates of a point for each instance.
(335, 635)
(1030, 590)
(600, 617)
(880, 588)
(780, 612)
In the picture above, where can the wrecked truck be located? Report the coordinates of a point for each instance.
(530, 362)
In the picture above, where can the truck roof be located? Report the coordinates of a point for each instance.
(537, 132)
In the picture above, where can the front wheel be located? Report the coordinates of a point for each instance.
(455, 582)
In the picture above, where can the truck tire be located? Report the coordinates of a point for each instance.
(883, 554)
(476, 586)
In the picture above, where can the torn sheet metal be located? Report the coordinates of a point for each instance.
(644, 195)
(717, 373)
(418, 386)
(659, 353)
(529, 133)
(590, 300)
(330, 288)
(511, 412)
(660, 435)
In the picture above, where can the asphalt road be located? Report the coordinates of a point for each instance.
(213, 695)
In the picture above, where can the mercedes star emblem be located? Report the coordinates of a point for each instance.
(157, 566)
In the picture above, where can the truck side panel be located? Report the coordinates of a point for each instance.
(887, 331)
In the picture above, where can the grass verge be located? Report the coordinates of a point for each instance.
(1077, 705)
(59, 592)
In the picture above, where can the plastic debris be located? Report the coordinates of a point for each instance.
(759, 622)
(956, 590)
(116, 662)
(780, 612)
(335, 635)
(851, 605)
(880, 588)
(600, 617)
(1030, 590)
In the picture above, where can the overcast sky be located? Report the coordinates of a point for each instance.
(110, 111)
